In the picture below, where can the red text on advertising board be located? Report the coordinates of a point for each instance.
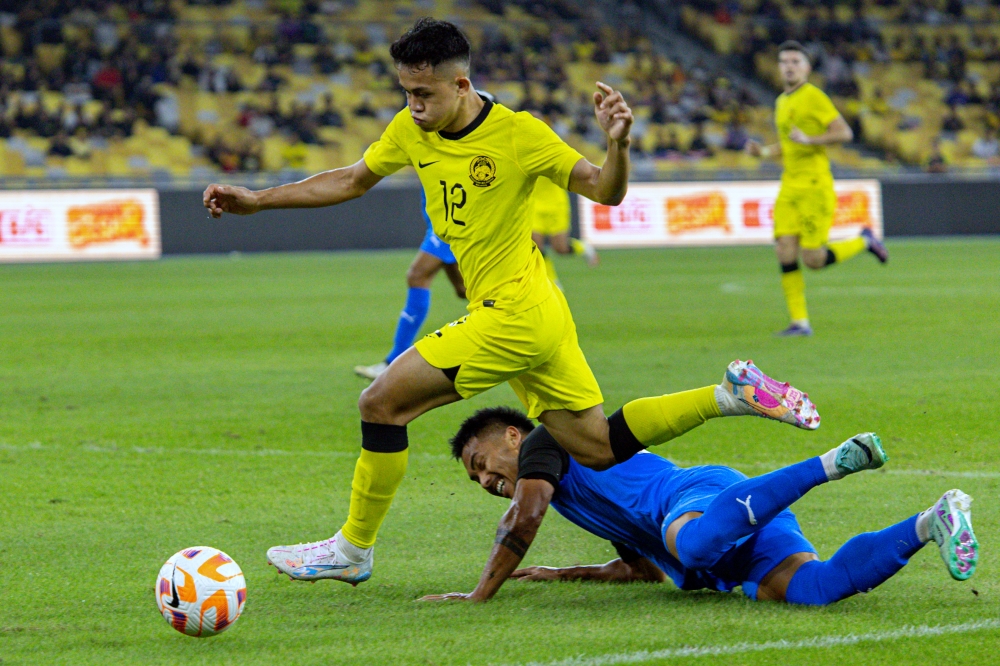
(633, 214)
(27, 226)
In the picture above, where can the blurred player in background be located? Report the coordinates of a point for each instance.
(807, 122)
(433, 255)
(550, 223)
(703, 527)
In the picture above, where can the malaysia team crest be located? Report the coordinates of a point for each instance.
(482, 171)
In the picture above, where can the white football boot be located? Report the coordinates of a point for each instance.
(951, 528)
(321, 560)
(370, 371)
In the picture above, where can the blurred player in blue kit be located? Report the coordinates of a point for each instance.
(434, 255)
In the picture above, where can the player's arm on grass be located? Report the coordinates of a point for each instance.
(517, 530)
(323, 189)
(639, 570)
(609, 183)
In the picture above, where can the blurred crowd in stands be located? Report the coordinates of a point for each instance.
(925, 72)
(249, 85)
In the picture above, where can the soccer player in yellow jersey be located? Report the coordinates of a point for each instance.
(550, 223)
(807, 122)
(478, 163)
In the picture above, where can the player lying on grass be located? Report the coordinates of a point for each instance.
(478, 163)
(702, 527)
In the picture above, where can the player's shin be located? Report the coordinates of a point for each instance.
(794, 286)
(846, 249)
(861, 564)
(650, 421)
(742, 509)
(377, 476)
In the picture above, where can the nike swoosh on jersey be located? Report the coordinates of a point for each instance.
(422, 165)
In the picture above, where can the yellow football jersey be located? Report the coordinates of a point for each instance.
(550, 209)
(809, 109)
(478, 183)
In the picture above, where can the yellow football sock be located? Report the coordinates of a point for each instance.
(550, 269)
(577, 245)
(376, 478)
(844, 250)
(794, 286)
(656, 420)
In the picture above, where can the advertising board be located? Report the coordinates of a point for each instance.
(716, 213)
(75, 225)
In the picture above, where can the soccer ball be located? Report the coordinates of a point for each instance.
(200, 591)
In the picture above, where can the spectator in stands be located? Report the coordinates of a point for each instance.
(736, 137)
(667, 146)
(364, 109)
(952, 122)
(986, 147)
(699, 147)
(936, 162)
(60, 146)
(877, 104)
(329, 116)
(958, 96)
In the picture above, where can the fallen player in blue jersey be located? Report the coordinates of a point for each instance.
(702, 527)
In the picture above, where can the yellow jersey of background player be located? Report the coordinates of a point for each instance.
(807, 121)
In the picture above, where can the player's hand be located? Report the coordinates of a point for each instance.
(451, 596)
(613, 114)
(537, 573)
(752, 148)
(798, 136)
(219, 199)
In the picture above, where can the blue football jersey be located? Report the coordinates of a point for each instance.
(628, 503)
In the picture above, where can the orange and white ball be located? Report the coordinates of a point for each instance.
(200, 591)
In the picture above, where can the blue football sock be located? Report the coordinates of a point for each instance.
(418, 302)
(742, 509)
(861, 564)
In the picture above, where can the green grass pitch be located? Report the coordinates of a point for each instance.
(148, 407)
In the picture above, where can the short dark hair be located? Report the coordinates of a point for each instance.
(431, 42)
(485, 419)
(792, 45)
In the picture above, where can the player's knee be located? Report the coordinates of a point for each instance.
(417, 278)
(813, 262)
(695, 551)
(812, 586)
(375, 406)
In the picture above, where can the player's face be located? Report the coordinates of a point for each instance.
(434, 94)
(794, 67)
(491, 461)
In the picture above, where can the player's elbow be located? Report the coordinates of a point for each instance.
(614, 199)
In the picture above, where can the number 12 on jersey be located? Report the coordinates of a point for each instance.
(452, 202)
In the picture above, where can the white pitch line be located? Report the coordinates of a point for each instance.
(250, 453)
(743, 648)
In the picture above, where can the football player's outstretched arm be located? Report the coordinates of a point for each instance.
(323, 189)
(517, 530)
(640, 570)
(609, 183)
